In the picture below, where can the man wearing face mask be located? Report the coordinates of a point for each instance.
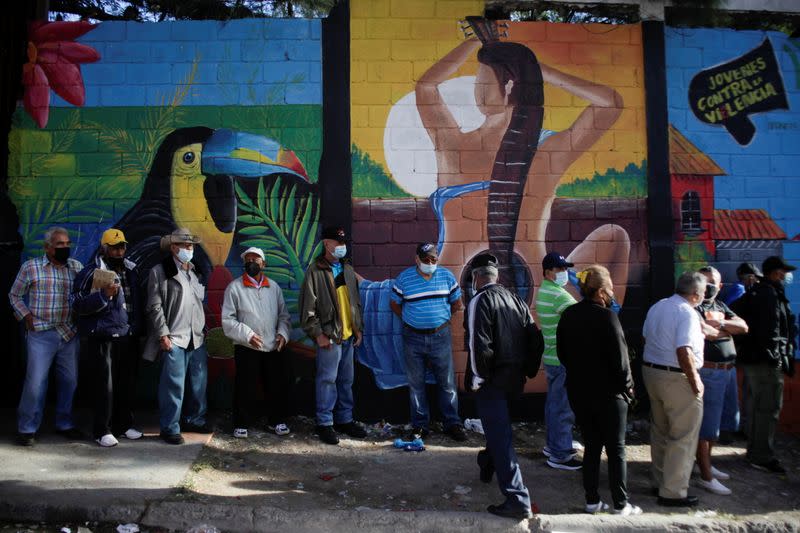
(551, 300)
(175, 311)
(425, 296)
(255, 318)
(109, 319)
(770, 349)
(330, 314)
(46, 281)
(718, 374)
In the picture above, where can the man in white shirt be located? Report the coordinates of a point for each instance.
(673, 353)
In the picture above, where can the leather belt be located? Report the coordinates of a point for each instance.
(718, 366)
(662, 367)
(428, 331)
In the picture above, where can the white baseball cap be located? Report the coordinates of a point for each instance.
(253, 250)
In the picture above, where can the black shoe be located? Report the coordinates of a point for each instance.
(172, 438)
(688, 501)
(517, 513)
(352, 429)
(26, 439)
(195, 428)
(72, 434)
(486, 466)
(327, 435)
(418, 433)
(726, 437)
(457, 433)
(770, 466)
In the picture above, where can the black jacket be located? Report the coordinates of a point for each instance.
(591, 346)
(503, 343)
(772, 325)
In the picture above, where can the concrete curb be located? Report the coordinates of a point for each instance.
(241, 518)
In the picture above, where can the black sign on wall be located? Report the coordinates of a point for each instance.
(728, 93)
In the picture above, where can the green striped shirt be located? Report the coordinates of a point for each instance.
(551, 300)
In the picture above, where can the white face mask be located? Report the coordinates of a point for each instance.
(184, 255)
(788, 278)
(562, 278)
(340, 251)
(425, 268)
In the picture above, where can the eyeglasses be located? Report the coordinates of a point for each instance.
(428, 260)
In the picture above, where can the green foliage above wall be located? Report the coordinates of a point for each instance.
(370, 180)
(628, 183)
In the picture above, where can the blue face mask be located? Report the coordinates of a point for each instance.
(340, 251)
(562, 278)
(184, 255)
(425, 268)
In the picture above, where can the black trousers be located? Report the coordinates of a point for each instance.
(115, 362)
(272, 370)
(603, 424)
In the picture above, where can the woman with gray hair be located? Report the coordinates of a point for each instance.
(591, 346)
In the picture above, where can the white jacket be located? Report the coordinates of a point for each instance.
(248, 309)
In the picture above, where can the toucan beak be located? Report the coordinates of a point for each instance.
(245, 155)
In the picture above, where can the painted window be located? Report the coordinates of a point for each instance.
(690, 212)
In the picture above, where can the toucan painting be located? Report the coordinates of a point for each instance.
(191, 184)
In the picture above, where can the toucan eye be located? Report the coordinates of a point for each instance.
(188, 157)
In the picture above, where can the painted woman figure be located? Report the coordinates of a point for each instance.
(512, 158)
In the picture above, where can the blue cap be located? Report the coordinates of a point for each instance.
(555, 260)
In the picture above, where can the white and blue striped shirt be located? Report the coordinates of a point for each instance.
(426, 303)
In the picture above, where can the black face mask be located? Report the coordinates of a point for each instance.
(115, 263)
(711, 292)
(61, 254)
(252, 268)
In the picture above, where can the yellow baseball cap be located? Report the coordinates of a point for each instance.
(112, 237)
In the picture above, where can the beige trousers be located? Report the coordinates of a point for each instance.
(676, 414)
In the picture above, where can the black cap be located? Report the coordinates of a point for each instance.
(427, 249)
(484, 260)
(776, 262)
(748, 268)
(555, 260)
(335, 233)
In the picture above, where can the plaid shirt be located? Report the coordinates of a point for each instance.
(47, 287)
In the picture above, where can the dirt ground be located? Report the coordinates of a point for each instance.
(298, 472)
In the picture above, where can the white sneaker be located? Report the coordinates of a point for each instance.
(714, 486)
(577, 446)
(716, 474)
(240, 433)
(107, 441)
(628, 510)
(593, 508)
(133, 434)
(280, 429)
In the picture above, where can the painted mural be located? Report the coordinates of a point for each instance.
(734, 105)
(214, 126)
(518, 138)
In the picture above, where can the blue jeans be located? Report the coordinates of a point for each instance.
(492, 406)
(716, 382)
(182, 369)
(334, 384)
(433, 349)
(730, 407)
(45, 349)
(558, 416)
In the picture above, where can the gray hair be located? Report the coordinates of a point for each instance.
(708, 269)
(488, 273)
(53, 230)
(691, 284)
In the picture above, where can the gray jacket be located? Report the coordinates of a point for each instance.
(247, 309)
(166, 308)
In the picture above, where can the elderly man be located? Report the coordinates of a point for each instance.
(106, 299)
(551, 300)
(718, 374)
(770, 343)
(255, 318)
(673, 353)
(330, 314)
(425, 296)
(46, 281)
(175, 310)
(503, 346)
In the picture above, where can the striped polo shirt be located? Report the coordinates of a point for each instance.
(551, 300)
(426, 303)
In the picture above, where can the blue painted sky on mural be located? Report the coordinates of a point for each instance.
(239, 62)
